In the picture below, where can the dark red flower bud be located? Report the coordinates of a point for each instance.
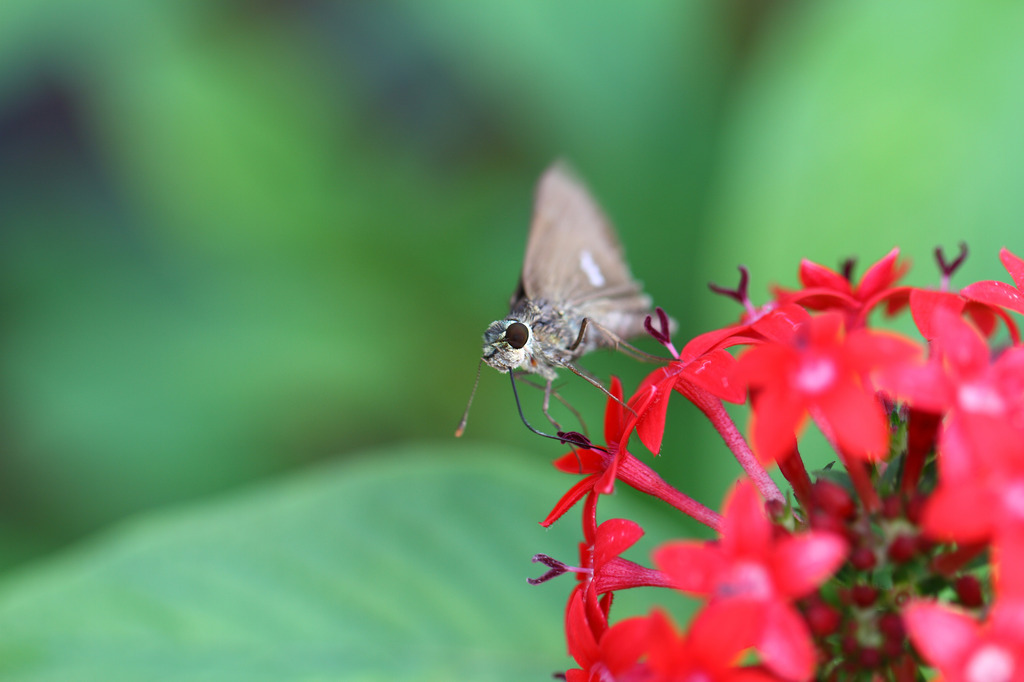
(822, 619)
(863, 558)
(822, 520)
(892, 507)
(968, 591)
(864, 595)
(925, 545)
(833, 499)
(850, 645)
(891, 625)
(903, 548)
(915, 508)
(870, 657)
(893, 648)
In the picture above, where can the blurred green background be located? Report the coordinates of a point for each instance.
(239, 239)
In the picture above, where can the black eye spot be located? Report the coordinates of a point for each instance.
(517, 334)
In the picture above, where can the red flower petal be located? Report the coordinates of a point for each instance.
(614, 537)
(624, 643)
(699, 345)
(1013, 265)
(581, 462)
(960, 344)
(986, 318)
(867, 350)
(721, 632)
(777, 418)
(802, 562)
(570, 498)
(1007, 615)
(814, 275)
(579, 636)
(881, 275)
(1010, 583)
(942, 636)
(924, 303)
(785, 643)
(857, 420)
(605, 483)
(926, 387)
(746, 531)
(995, 293)
(714, 373)
(693, 567)
(653, 394)
(781, 323)
(613, 413)
(945, 517)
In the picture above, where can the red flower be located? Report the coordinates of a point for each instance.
(704, 372)
(980, 495)
(825, 289)
(610, 654)
(964, 650)
(960, 376)
(824, 372)
(598, 650)
(753, 568)
(1000, 293)
(603, 466)
(709, 651)
(924, 304)
(600, 464)
(610, 571)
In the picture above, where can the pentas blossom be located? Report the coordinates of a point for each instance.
(879, 567)
(965, 647)
(965, 650)
(825, 289)
(824, 371)
(753, 566)
(602, 466)
(1000, 294)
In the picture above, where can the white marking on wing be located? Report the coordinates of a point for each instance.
(590, 268)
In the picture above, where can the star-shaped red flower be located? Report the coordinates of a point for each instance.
(762, 571)
(964, 650)
(602, 653)
(1000, 293)
(710, 651)
(824, 372)
(960, 377)
(825, 289)
(603, 466)
(980, 495)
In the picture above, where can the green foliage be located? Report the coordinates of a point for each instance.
(407, 563)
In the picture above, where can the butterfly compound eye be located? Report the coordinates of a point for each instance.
(517, 334)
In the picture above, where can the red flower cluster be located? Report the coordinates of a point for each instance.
(909, 555)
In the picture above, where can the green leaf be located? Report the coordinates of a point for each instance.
(864, 125)
(405, 564)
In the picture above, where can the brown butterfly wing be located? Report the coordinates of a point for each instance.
(574, 259)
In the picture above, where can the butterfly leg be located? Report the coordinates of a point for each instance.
(565, 403)
(547, 404)
(579, 337)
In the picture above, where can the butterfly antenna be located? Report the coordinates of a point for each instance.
(461, 428)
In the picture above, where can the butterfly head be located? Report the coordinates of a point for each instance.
(508, 344)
